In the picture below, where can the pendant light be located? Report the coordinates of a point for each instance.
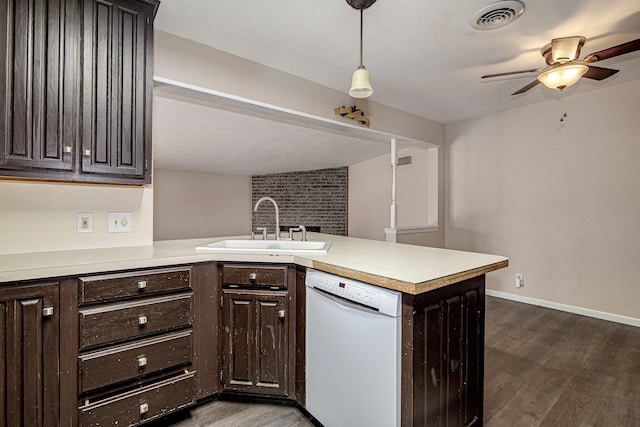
(361, 80)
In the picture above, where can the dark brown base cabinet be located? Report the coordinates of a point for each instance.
(255, 342)
(29, 320)
(258, 335)
(443, 356)
(130, 347)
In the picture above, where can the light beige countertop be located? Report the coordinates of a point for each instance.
(407, 268)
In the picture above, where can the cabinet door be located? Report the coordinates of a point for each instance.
(37, 108)
(446, 372)
(29, 370)
(117, 71)
(255, 341)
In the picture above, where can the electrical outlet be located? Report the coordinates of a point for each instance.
(84, 222)
(119, 222)
(519, 280)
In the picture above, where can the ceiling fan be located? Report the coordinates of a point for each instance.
(565, 69)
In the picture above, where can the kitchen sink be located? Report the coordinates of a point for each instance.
(268, 246)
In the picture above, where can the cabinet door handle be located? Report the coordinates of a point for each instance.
(47, 312)
(142, 284)
(144, 408)
(68, 149)
(87, 152)
(142, 361)
(142, 320)
(281, 314)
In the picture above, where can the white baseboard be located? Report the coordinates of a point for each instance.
(568, 308)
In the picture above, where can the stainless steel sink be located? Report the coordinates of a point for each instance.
(268, 246)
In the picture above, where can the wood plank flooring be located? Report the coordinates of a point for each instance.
(543, 368)
(550, 368)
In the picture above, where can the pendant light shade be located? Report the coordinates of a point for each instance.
(361, 83)
(361, 80)
(562, 76)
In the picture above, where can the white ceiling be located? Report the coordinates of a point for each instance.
(423, 56)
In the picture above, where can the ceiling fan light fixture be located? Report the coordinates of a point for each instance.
(361, 83)
(562, 76)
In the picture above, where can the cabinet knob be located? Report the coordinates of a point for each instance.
(68, 149)
(142, 320)
(47, 312)
(142, 361)
(142, 284)
(252, 277)
(281, 314)
(87, 152)
(144, 408)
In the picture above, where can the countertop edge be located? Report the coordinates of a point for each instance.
(407, 287)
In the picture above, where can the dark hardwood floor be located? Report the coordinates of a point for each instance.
(542, 368)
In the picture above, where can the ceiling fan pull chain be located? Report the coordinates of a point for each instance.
(563, 112)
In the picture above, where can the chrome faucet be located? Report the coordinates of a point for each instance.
(255, 209)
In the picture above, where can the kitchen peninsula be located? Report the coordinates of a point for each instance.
(164, 308)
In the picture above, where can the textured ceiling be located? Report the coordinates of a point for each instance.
(423, 56)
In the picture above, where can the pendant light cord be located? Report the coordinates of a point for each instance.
(361, 24)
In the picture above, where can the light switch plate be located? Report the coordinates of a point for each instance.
(119, 222)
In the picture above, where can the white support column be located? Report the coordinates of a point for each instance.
(391, 237)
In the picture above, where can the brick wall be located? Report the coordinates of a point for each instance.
(309, 198)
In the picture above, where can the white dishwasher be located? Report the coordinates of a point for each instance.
(352, 352)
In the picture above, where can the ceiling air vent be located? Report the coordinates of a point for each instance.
(497, 15)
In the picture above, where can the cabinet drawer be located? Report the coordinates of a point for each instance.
(250, 275)
(140, 405)
(126, 362)
(124, 285)
(115, 322)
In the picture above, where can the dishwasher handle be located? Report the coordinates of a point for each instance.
(346, 304)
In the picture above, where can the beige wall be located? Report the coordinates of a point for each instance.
(561, 200)
(370, 197)
(183, 60)
(41, 217)
(190, 205)
(186, 61)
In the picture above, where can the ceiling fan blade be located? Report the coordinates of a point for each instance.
(599, 73)
(618, 50)
(527, 87)
(509, 73)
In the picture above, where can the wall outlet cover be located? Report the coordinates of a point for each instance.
(119, 222)
(519, 280)
(84, 222)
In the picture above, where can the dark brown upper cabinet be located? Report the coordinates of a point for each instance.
(77, 86)
(117, 71)
(37, 85)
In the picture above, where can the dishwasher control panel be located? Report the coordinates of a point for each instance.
(383, 300)
(349, 291)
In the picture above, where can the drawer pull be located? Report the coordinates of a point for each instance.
(142, 284)
(144, 408)
(142, 320)
(252, 277)
(142, 361)
(47, 312)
